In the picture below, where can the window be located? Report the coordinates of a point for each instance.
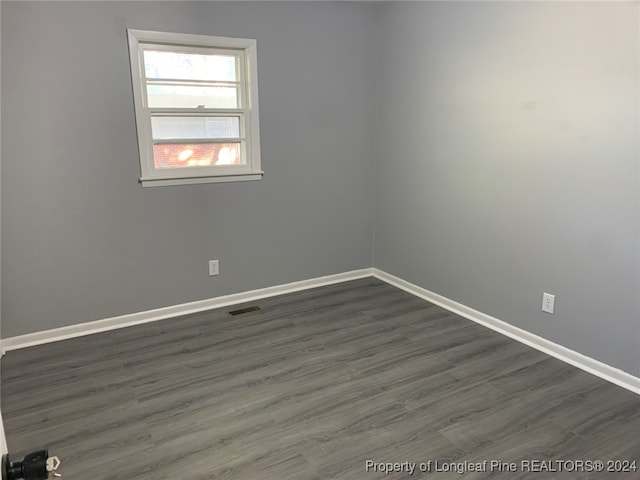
(196, 106)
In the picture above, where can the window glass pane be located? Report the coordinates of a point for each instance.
(168, 96)
(197, 154)
(195, 127)
(189, 66)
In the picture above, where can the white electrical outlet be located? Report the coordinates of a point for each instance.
(548, 302)
(214, 267)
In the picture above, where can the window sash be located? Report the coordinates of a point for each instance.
(201, 171)
(241, 65)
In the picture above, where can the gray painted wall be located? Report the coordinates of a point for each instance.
(508, 164)
(504, 138)
(83, 241)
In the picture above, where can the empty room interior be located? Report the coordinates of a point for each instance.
(320, 240)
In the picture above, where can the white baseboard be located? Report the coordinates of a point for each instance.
(595, 367)
(63, 333)
(3, 439)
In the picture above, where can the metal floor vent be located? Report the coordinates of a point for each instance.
(244, 310)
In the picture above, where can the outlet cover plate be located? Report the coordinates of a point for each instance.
(214, 268)
(548, 303)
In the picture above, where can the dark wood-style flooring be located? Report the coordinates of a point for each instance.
(311, 387)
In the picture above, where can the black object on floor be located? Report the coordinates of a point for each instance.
(34, 466)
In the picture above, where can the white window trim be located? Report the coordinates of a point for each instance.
(151, 176)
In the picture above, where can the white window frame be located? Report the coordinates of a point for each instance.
(245, 50)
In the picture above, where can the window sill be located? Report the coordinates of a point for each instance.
(164, 182)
